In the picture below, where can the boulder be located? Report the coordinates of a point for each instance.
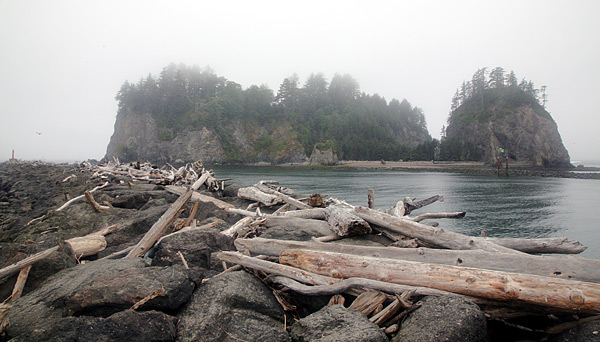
(586, 332)
(323, 157)
(98, 288)
(232, 307)
(126, 325)
(445, 318)
(336, 324)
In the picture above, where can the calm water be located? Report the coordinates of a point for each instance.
(505, 207)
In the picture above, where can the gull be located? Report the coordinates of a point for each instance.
(38, 133)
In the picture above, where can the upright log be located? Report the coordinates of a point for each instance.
(160, 226)
(536, 290)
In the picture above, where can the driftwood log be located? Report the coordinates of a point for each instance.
(160, 226)
(531, 289)
(344, 222)
(560, 245)
(196, 196)
(565, 267)
(431, 235)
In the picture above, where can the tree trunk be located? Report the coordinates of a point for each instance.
(345, 223)
(544, 291)
(87, 245)
(160, 226)
(434, 236)
(559, 245)
(564, 267)
(253, 194)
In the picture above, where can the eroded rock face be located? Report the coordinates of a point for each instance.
(323, 157)
(524, 129)
(137, 137)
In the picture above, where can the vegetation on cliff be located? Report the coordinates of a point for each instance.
(494, 111)
(358, 126)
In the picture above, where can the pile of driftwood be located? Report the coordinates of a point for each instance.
(506, 276)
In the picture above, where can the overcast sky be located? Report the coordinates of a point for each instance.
(62, 62)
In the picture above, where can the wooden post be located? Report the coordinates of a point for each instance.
(370, 199)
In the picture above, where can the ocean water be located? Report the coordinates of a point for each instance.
(505, 207)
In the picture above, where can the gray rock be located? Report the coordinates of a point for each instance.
(126, 325)
(232, 307)
(336, 324)
(98, 288)
(446, 318)
(586, 332)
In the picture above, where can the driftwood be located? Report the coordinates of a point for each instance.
(160, 226)
(565, 267)
(371, 199)
(428, 234)
(80, 197)
(495, 285)
(196, 196)
(97, 207)
(345, 223)
(559, 245)
(262, 186)
(254, 194)
(234, 230)
(16, 267)
(422, 217)
(87, 245)
(315, 213)
(20, 283)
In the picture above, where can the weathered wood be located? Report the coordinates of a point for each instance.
(16, 267)
(422, 217)
(559, 245)
(87, 245)
(160, 226)
(237, 227)
(315, 200)
(107, 230)
(196, 196)
(20, 283)
(531, 289)
(254, 194)
(367, 301)
(190, 218)
(564, 267)
(428, 234)
(371, 199)
(315, 213)
(197, 184)
(80, 197)
(281, 196)
(345, 223)
(97, 207)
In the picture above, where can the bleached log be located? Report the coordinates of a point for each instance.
(371, 199)
(315, 213)
(564, 267)
(559, 245)
(87, 245)
(242, 212)
(281, 196)
(530, 289)
(160, 226)
(20, 283)
(16, 267)
(80, 197)
(197, 184)
(254, 194)
(193, 212)
(196, 196)
(427, 216)
(345, 223)
(431, 235)
(97, 207)
(237, 227)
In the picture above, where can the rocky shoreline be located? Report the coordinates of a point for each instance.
(179, 291)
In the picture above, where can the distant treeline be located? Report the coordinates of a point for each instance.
(356, 125)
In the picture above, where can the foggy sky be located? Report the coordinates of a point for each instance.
(62, 62)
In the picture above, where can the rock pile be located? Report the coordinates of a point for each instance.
(185, 286)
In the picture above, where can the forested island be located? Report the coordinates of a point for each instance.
(189, 113)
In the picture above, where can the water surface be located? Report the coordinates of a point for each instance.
(505, 207)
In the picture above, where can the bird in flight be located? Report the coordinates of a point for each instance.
(38, 133)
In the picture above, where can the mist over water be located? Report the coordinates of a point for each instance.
(505, 207)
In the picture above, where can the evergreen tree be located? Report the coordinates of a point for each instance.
(496, 78)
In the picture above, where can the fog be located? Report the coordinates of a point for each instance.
(62, 62)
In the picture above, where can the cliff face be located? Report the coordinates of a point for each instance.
(136, 137)
(505, 118)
